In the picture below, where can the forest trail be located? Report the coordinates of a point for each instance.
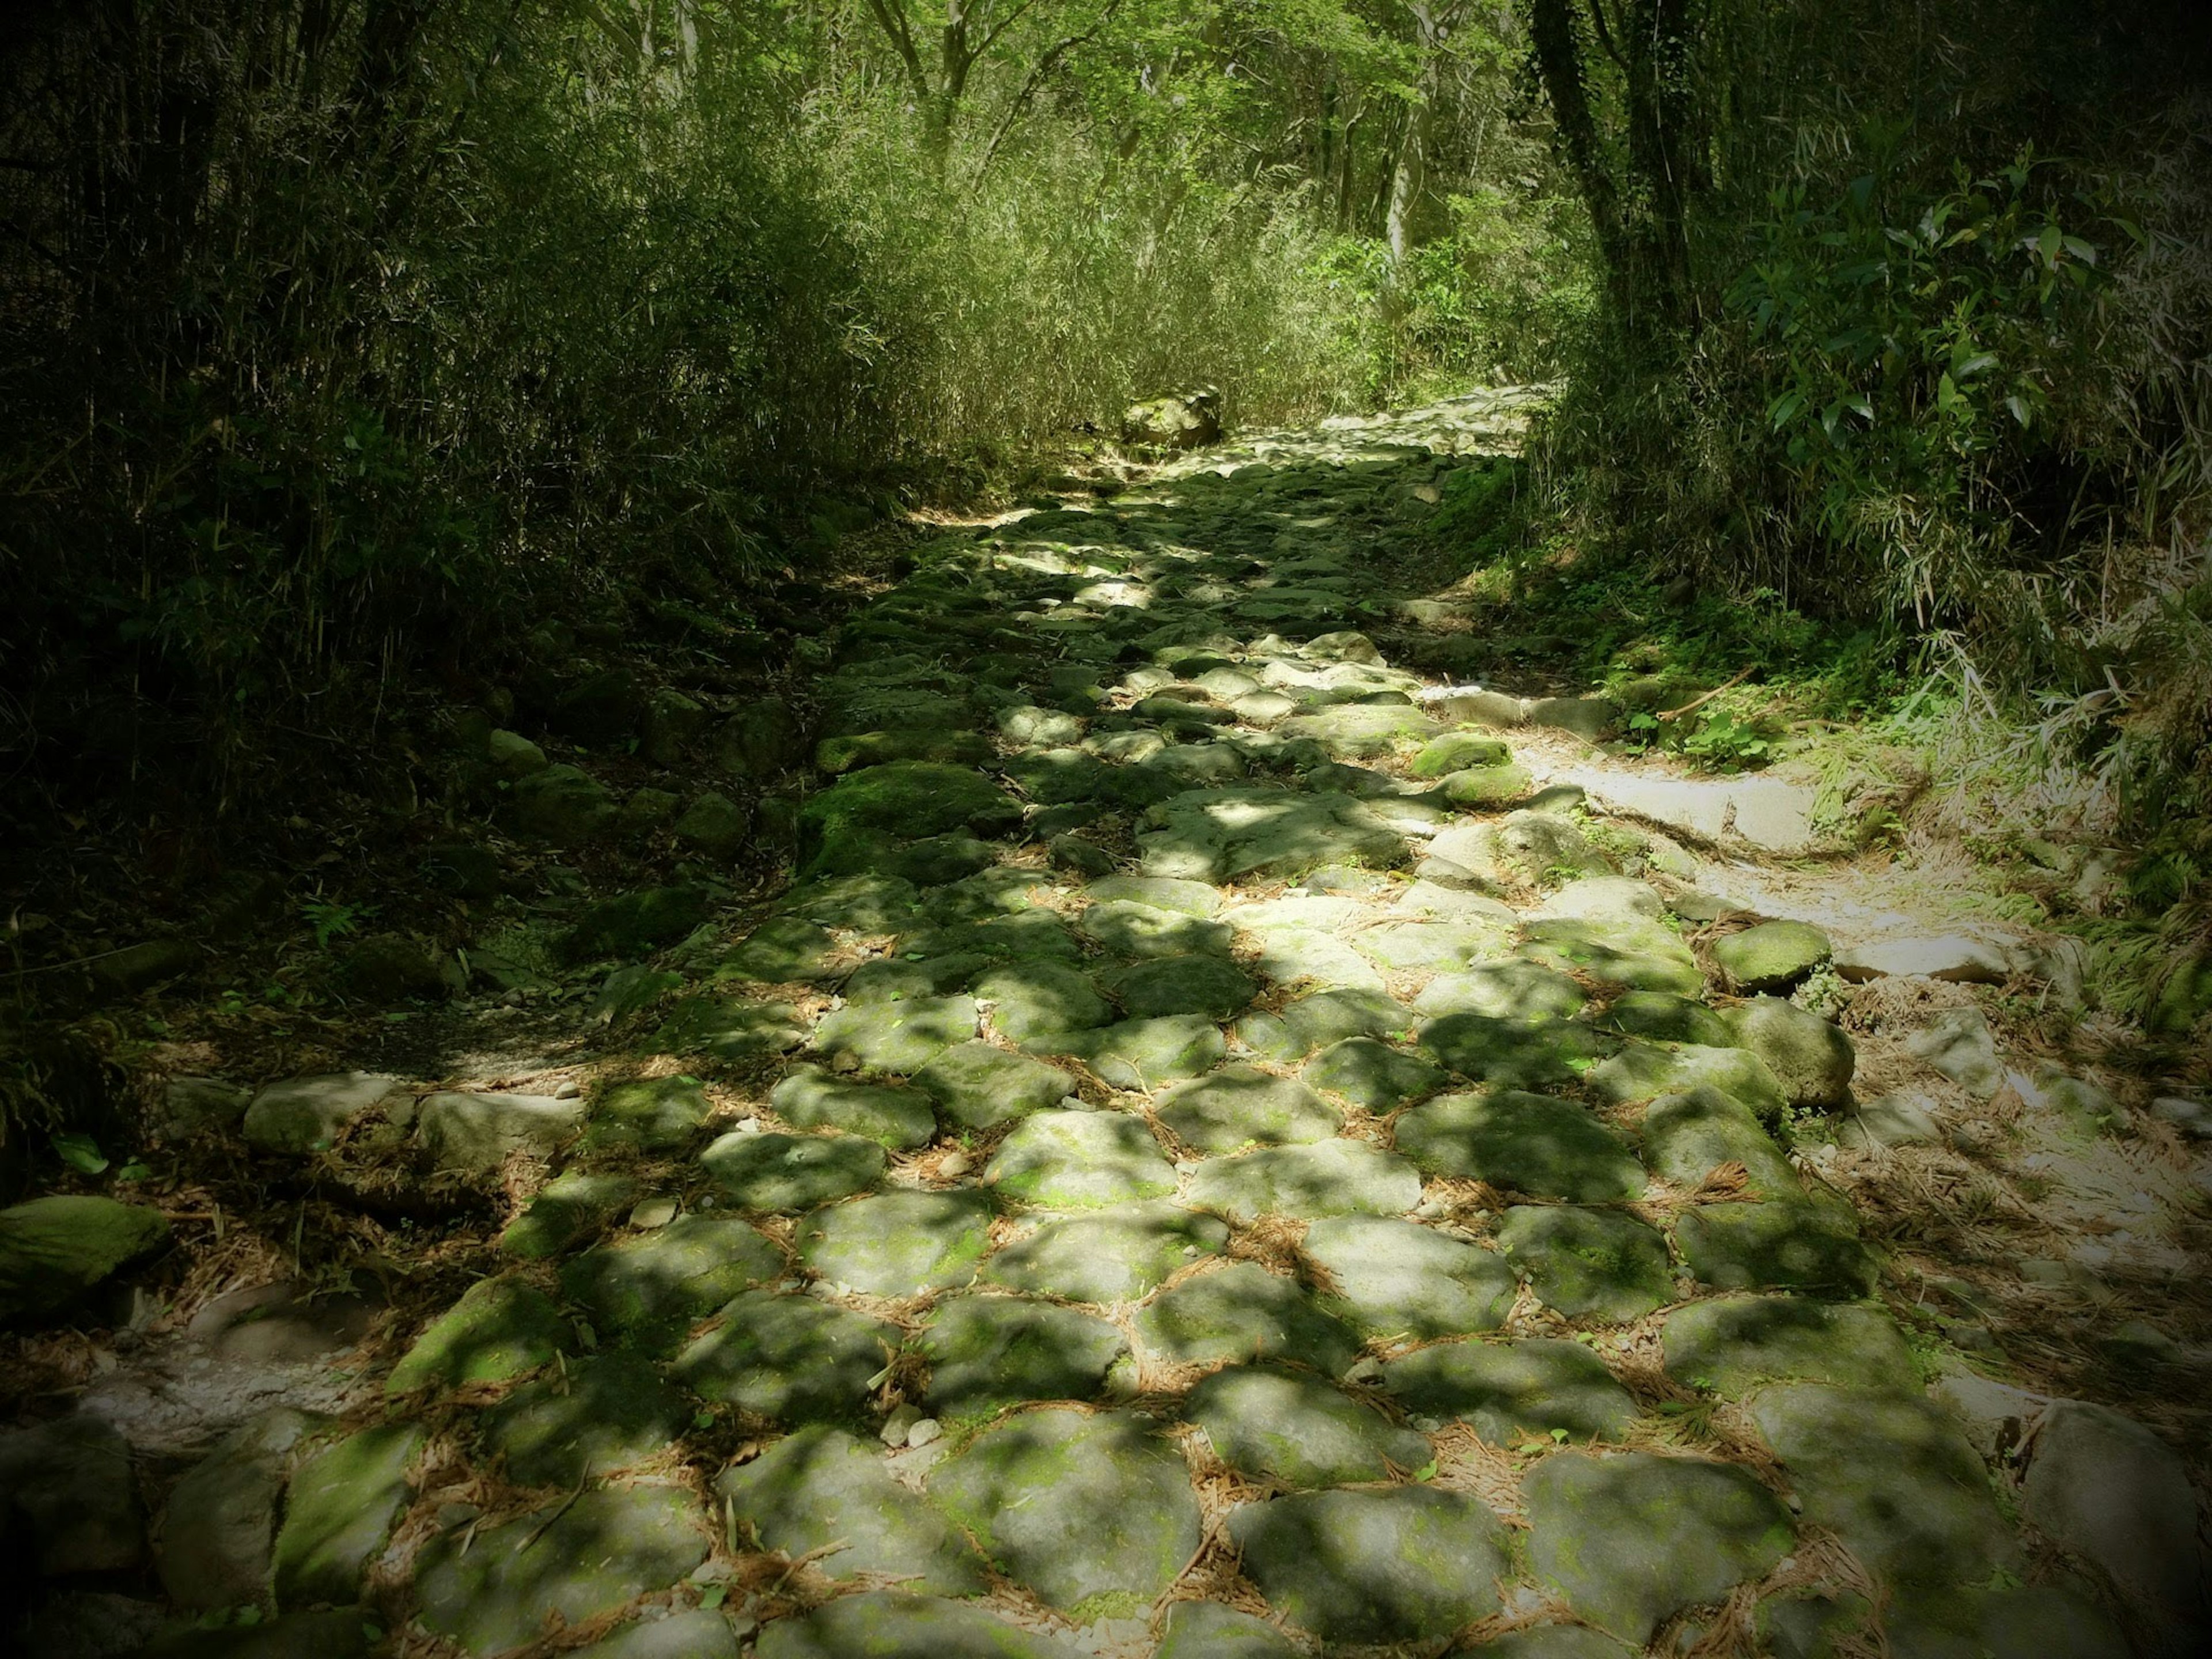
(1229, 1147)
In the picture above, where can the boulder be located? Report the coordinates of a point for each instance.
(54, 1249)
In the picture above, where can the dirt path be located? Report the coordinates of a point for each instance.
(1227, 1147)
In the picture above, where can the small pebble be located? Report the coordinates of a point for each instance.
(569, 1088)
(654, 1212)
(924, 1432)
(953, 1166)
(898, 1428)
(1369, 1370)
(748, 1125)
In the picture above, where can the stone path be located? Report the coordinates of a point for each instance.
(1205, 1160)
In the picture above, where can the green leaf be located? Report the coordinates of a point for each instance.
(714, 1596)
(1427, 1471)
(81, 1152)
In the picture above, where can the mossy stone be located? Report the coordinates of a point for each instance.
(1731, 1343)
(979, 1086)
(1399, 1279)
(653, 1115)
(1080, 1160)
(1892, 1477)
(892, 1625)
(1456, 752)
(1515, 1053)
(1125, 928)
(773, 1172)
(868, 902)
(1503, 990)
(1075, 1504)
(1588, 1264)
(1120, 1255)
(1210, 986)
(338, 1511)
(1687, 1137)
(607, 1413)
(1321, 1019)
(730, 1030)
(500, 1328)
(1329, 1177)
(1373, 1074)
(897, 1036)
(1526, 1143)
(1207, 1630)
(54, 1249)
(1787, 1244)
(987, 1351)
(1487, 785)
(1241, 1105)
(901, 979)
(650, 1288)
(1633, 1538)
(859, 750)
(1772, 956)
(579, 1557)
(1434, 946)
(1298, 1432)
(1148, 1053)
(820, 1486)
(1809, 1057)
(812, 1098)
(785, 950)
(1664, 1016)
(908, 798)
(1643, 1070)
(1244, 1312)
(1035, 1003)
(1507, 1390)
(566, 1210)
(788, 1357)
(1225, 835)
(903, 1244)
(1190, 898)
(1408, 1564)
(1635, 954)
(632, 924)
(1551, 1642)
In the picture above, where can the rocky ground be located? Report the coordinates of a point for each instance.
(1226, 1147)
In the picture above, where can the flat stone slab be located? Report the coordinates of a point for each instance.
(1520, 850)
(1635, 954)
(1297, 956)
(1953, 957)
(978, 1086)
(1149, 1053)
(1207, 1630)
(1034, 1003)
(897, 1036)
(1120, 1255)
(1191, 898)
(217, 1526)
(1080, 1160)
(1894, 1478)
(811, 1098)
(1782, 1244)
(1358, 731)
(1226, 834)
(1588, 1264)
(1503, 990)
(338, 1513)
(1958, 1044)
(1434, 947)
(650, 1288)
(305, 1114)
(1409, 1564)
(891, 1625)
(821, 1486)
(1770, 813)
(1400, 1279)
(1241, 1105)
(1372, 1074)
(1633, 1538)
(1322, 1019)
(1075, 1504)
(772, 1172)
(581, 1557)
(1329, 1177)
(1733, 1343)
(652, 1115)
(474, 1133)
(987, 1351)
(1125, 928)
(898, 1244)
(1509, 1391)
(1213, 987)
(500, 1328)
(786, 950)
(1515, 1053)
(788, 1357)
(1526, 1143)
(607, 1413)
(1242, 1312)
(730, 1029)
(1643, 1070)
(1297, 1430)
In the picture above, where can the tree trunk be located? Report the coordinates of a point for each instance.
(1409, 177)
(1559, 66)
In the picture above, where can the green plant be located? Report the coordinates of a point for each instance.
(332, 919)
